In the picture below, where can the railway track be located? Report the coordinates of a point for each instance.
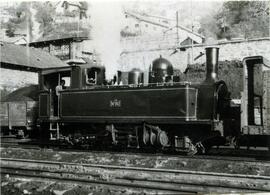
(249, 156)
(166, 180)
(14, 143)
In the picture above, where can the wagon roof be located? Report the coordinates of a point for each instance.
(28, 93)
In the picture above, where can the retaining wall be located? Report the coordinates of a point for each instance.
(143, 53)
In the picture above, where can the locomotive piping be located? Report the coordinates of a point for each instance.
(187, 102)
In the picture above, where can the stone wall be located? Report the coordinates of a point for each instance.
(143, 53)
(226, 71)
(11, 80)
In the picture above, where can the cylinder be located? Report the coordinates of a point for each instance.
(135, 76)
(211, 64)
(119, 77)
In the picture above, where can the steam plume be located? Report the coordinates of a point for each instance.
(107, 21)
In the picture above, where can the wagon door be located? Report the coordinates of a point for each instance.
(4, 114)
(17, 114)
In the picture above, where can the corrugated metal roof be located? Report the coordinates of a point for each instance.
(27, 56)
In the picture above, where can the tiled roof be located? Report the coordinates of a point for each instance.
(69, 35)
(28, 57)
(28, 93)
(14, 39)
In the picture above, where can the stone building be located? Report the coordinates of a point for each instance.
(144, 32)
(65, 48)
(146, 25)
(68, 48)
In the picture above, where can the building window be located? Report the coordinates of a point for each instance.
(136, 25)
(46, 48)
(146, 25)
(57, 47)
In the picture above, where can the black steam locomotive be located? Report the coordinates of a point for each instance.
(153, 110)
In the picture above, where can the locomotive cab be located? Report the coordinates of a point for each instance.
(87, 76)
(84, 76)
(49, 79)
(92, 76)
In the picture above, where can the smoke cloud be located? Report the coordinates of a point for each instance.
(107, 21)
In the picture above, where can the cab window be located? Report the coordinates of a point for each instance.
(67, 81)
(91, 76)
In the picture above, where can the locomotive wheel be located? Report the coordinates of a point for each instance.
(192, 151)
(162, 139)
(146, 136)
(153, 138)
(236, 143)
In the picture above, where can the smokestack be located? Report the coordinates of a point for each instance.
(211, 64)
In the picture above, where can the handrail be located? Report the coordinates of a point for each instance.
(184, 83)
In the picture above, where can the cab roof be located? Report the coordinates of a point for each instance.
(68, 68)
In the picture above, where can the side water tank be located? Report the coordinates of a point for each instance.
(135, 76)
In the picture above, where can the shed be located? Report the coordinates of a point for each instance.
(25, 58)
(63, 47)
(20, 65)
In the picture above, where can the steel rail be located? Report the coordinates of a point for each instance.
(135, 172)
(137, 185)
(138, 168)
(129, 182)
(234, 158)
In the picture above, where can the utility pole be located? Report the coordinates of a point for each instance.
(192, 26)
(177, 33)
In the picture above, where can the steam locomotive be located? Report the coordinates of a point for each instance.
(153, 110)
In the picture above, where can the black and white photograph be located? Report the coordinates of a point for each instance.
(135, 97)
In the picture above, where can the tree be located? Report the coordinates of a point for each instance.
(45, 16)
(247, 19)
(21, 20)
(50, 27)
(10, 31)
